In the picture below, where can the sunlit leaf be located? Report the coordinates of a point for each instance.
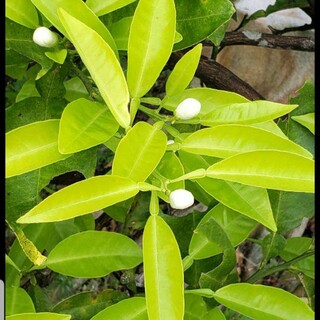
(101, 7)
(102, 64)
(81, 198)
(18, 301)
(150, 43)
(39, 316)
(307, 120)
(93, 254)
(23, 12)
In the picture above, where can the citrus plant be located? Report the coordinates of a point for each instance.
(82, 93)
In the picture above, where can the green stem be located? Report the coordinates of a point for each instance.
(266, 272)
(153, 114)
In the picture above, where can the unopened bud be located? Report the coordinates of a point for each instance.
(181, 199)
(44, 37)
(188, 109)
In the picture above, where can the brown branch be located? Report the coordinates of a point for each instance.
(266, 40)
(214, 75)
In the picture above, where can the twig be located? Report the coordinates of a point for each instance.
(273, 41)
(214, 75)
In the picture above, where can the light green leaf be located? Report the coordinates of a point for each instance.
(75, 89)
(101, 7)
(196, 20)
(84, 305)
(78, 9)
(163, 271)
(247, 113)
(31, 147)
(94, 254)
(85, 124)
(262, 302)
(236, 226)
(195, 309)
(28, 90)
(223, 141)
(22, 12)
(57, 56)
(210, 99)
(139, 152)
(150, 44)
(267, 169)
(102, 64)
(128, 309)
(183, 72)
(81, 198)
(120, 31)
(18, 301)
(270, 126)
(39, 316)
(307, 120)
(250, 201)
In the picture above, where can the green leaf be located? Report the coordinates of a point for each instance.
(227, 140)
(195, 308)
(197, 20)
(31, 147)
(267, 169)
(57, 56)
(28, 90)
(22, 12)
(85, 305)
(250, 201)
(270, 126)
(163, 271)
(18, 301)
(272, 244)
(236, 226)
(39, 316)
(78, 9)
(128, 309)
(101, 7)
(19, 39)
(102, 64)
(262, 302)
(247, 113)
(81, 198)
(150, 43)
(210, 99)
(94, 254)
(120, 31)
(75, 89)
(295, 247)
(139, 152)
(307, 120)
(183, 72)
(85, 124)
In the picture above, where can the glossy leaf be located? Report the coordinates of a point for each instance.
(93, 254)
(163, 271)
(31, 147)
(262, 302)
(57, 56)
(102, 64)
(139, 152)
(101, 7)
(295, 247)
(18, 301)
(150, 43)
(183, 72)
(307, 120)
(81, 198)
(23, 12)
(85, 305)
(236, 226)
(79, 10)
(227, 140)
(250, 201)
(196, 20)
(128, 309)
(270, 126)
(267, 169)
(39, 316)
(247, 113)
(195, 308)
(84, 124)
(210, 99)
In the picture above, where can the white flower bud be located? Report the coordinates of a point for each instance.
(181, 199)
(170, 142)
(188, 109)
(44, 37)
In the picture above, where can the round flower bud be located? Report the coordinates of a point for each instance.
(170, 142)
(181, 199)
(44, 37)
(188, 109)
